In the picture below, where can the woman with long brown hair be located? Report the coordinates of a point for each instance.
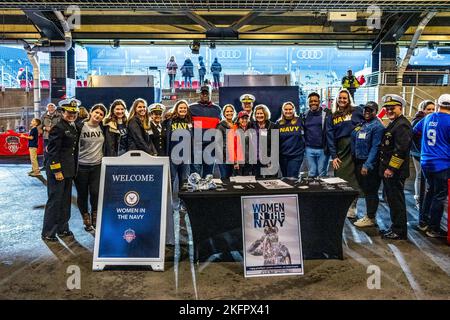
(115, 123)
(138, 125)
(343, 121)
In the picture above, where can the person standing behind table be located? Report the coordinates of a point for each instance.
(187, 70)
(138, 126)
(394, 164)
(435, 162)
(350, 83)
(172, 71)
(227, 129)
(316, 147)
(263, 126)
(48, 121)
(205, 115)
(179, 123)
(216, 69)
(243, 145)
(339, 129)
(61, 168)
(247, 101)
(292, 141)
(91, 152)
(158, 132)
(201, 70)
(33, 140)
(425, 108)
(366, 140)
(116, 131)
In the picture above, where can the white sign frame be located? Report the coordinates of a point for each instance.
(135, 158)
(246, 239)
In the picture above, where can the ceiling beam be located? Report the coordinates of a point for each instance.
(200, 20)
(244, 20)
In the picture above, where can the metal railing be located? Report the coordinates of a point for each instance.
(16, 118)
(410, 78)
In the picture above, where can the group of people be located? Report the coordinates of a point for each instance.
(362, 151)
(187, 72)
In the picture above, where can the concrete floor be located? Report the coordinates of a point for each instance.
(29, 269)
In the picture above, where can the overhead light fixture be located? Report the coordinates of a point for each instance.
(195, 47)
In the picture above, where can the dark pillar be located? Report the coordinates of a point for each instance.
(62, 73)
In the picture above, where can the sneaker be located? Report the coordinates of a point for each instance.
(65, 234)
(433, 234)
(393, 236)
(351, 214)
(365, 222)
(49, 238)
(35, 174)
(422, 226)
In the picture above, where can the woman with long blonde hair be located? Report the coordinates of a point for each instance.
(292, 141)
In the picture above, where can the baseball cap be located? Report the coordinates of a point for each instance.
(242, 114)
(206, 88)
(371, 105)
(444, 100)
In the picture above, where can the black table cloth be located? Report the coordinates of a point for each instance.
(216, 218)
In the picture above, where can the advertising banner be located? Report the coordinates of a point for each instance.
(271, 236)
(133, 204)
(11, 144)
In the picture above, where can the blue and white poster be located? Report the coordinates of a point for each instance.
(271, 236)
(132, 213)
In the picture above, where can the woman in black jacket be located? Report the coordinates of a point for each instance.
(115, 124)
(138, 126)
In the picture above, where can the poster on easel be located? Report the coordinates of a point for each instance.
(133, 209)
(271, 236)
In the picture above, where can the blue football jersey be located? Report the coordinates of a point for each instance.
(435, 130)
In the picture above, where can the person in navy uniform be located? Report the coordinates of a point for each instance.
(158, 132)
(394, 164)
(247, 101)
(61, 167)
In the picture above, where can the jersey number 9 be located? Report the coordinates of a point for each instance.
(431, 135)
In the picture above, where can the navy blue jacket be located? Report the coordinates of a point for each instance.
(325, 114)
(339, 126)
(292, 138)
(187, 69)
(216, 67)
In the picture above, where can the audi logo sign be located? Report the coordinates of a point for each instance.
(229, 54)
(309, 54)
